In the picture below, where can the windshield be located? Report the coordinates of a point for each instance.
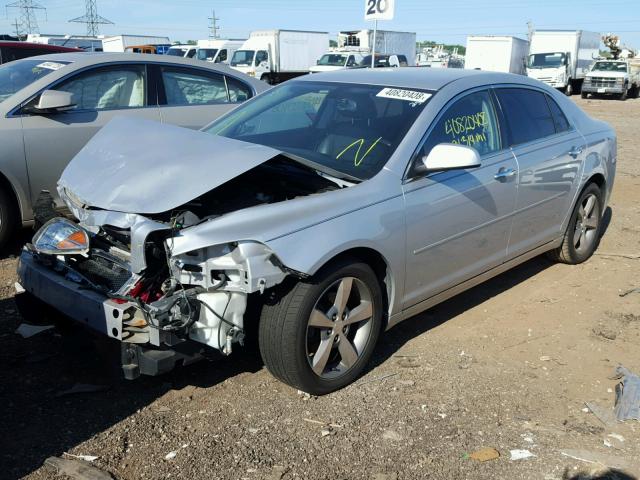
(610, 67)
(14, 76)
(546, 60)
(333, 59)
(242, 57)
(346, 129)
(207, 54)
(177, 52)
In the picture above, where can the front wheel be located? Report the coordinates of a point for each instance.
(320, 335)
(623, 96)
(584, 95)
(8, 218)
(583, 232)
(568, 90)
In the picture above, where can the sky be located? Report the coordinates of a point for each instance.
(444, 22)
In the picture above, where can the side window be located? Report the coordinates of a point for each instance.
(470, 121)
(238, 91)
(403, 61)
(559, 118)
(261, 56)
(108, 88)
(183, 86)
(222, 56)
(527, 114)
(192, 53)
(351, 62)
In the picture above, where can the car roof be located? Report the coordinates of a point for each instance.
(416, 77)
(43, 46)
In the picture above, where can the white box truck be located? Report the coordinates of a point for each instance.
(278, 55)
(387, 42)
(496, 53)
(119, 43)
(562, 58)
(218, 50)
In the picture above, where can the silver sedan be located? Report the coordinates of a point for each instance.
(51, 105)
(318, 214)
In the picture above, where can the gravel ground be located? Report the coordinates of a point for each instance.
(508, 365)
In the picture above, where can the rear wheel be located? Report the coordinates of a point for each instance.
(320, 335)
(8, 218)
(583, 232)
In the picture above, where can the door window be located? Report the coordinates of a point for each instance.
(193, 87)
(559, 118)
(527, 114)
(107, 88)
(470, 121)
(261, 56)
(222, 56)
(351, 62)
(238, 91)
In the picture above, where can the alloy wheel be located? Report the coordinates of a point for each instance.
(587, 222)
(339, 327)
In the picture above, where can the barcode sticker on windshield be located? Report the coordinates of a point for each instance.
(412, 96)
(50, 65)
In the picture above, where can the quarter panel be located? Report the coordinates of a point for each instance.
(12, 162)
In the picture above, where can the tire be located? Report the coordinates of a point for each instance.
(584, 95)
(292, 336)
(581, 237)
(623, 96)
(8, 218)
(568, 90)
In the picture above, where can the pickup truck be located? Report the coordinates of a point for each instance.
(613, 77)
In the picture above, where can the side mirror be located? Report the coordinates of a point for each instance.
(448, 156)
(54, 101)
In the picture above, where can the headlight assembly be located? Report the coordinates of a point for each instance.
(61, 237)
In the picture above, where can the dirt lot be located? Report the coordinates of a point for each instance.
(508, 365)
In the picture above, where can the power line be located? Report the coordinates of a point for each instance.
(28, 20)
(214, 25)
(92, 19)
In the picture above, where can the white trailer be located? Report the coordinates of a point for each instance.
(119, 43)
(387, 42)
(278, 55)
(562, 58)
(493, 53)
(218, 50)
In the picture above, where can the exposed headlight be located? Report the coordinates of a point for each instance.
(61, 237)
(619, 80)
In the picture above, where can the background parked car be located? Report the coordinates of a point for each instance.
(10, 51)
(52, 105)
(385, 60)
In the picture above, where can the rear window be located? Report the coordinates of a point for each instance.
(560, 120)
(527, 113)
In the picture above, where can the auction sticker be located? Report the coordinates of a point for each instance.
(412, 96)
(51, 65)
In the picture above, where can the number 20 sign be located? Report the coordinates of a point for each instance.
(379, 9)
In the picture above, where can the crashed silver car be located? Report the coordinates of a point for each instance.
(321, 212)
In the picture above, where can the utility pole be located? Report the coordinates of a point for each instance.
(17, 25)
(28, 20)
(214, 25)
(92, 19)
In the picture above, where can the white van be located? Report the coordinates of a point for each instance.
(186, 51)
(218, 51)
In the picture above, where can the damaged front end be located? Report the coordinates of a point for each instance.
(115, 273)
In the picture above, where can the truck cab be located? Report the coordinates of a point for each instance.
(612, 77)
(218, 51)
(337, 60)
(254, 62)
(551, 68)
(186, 51)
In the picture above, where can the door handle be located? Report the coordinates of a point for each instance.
(504, 174)
(575, 151)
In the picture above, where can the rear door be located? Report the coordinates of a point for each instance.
(458, 222)
(100, 93)
(193, 97)
(550, 154)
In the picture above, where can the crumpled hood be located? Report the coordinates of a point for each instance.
(144, 167)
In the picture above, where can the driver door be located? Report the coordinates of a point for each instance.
(458, 221)
(52, 140)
